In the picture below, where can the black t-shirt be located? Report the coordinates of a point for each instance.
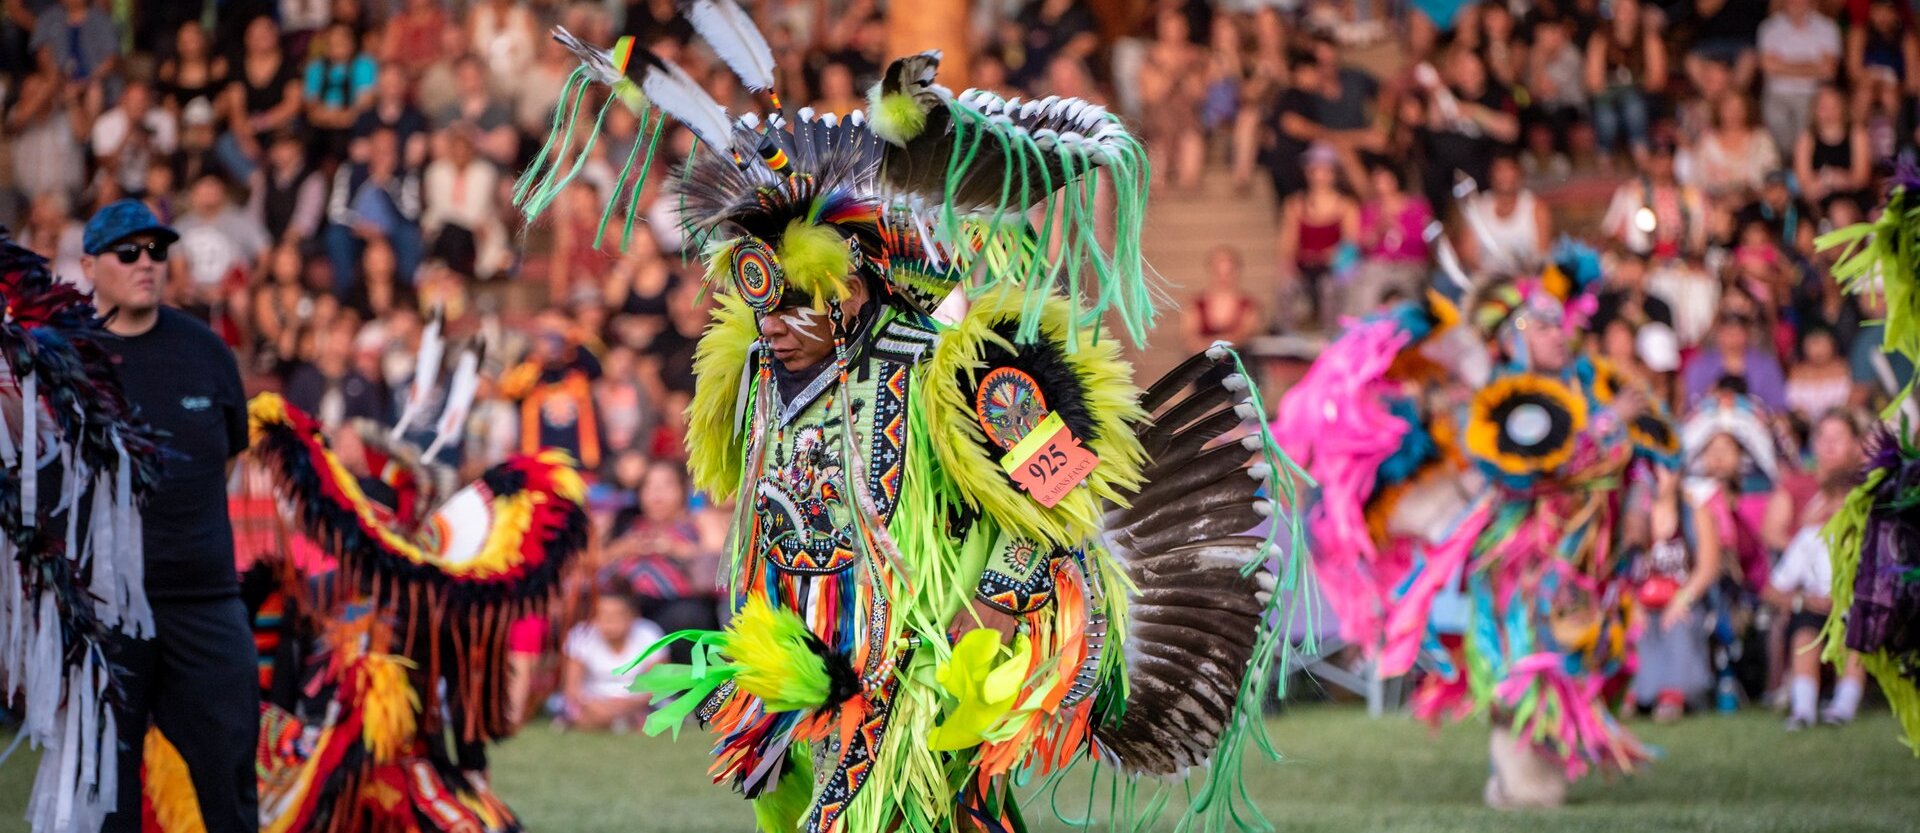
(1612, 304)
(405, 125)
(1737, 20)
(186, 383)
(1470, 151)
(1353, 108)
(1286, 150)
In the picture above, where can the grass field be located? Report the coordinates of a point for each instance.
(1343, 774)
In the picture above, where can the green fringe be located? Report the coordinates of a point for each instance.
(1845, 534)
(1066, 251)
(782, 810)
(1886, 252)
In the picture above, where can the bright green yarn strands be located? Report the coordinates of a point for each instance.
(632, 202)
(1060, 179)
(537, 186)
(642, 153)
(688, 685)
(1885, 253)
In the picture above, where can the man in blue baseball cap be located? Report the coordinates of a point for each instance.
(195, 678)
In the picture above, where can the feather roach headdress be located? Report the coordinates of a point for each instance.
(927, 192)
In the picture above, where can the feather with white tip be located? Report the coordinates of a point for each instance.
(675, 92)
(727, 28)
(460, 395)
(426, 371)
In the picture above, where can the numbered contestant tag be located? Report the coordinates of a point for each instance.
(1049, 461)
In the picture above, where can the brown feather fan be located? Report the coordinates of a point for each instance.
(1194, 613)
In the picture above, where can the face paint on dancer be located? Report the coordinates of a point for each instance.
(802, 336)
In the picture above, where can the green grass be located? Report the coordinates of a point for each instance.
(1343, 773)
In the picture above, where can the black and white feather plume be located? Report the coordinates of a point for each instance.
(727, 28)
(1196, 616)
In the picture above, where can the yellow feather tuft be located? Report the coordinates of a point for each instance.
(769, 647)
(959, 443)
(719, 258)
(897, 118)
(816, 260)
(714, 448)
(169, 787)
(388, 703)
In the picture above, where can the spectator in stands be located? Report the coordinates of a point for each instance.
(412, 40)
(78, 42)
(338, 85)
(1820, 381)
(1725, 33)
(1500, 46)
(391, 110)
(554, 390)
(1394, 256)
(222, 248)
(1682, 563)
(1265, 83)
(1626, 62)
(280, 310)
(193, 72)
(576, 261)
(660, 556)
(48, 125)
(377, 200)
(837, 94)
(1223, 310)
(330, 388)
(622, 402)
(1833, 156)
(1801, 587)
(197, 155)
(1294, 125)
(1556, 83)
(1051, 29)
(503, 34)
(128, 139)
(1883, 51)
(639, 289)
(1784, 215)
(475, 105)
(1507, 229)
(288, 198)
(1172, 96)
(460, 221)
(1468, 120)
(51, 232)
(1345, 111)
(1654, 215)
(1800, 49)
(1623, 295)
(596, 676)
(380, 292)
(266, 95)
(1738, 352)
(1735, 155)
(1315, 225)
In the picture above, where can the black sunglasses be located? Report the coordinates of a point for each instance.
(129, 253)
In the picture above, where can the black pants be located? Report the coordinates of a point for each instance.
(197, 681)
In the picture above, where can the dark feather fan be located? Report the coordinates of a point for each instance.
(817, 154)
(1196, 612)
